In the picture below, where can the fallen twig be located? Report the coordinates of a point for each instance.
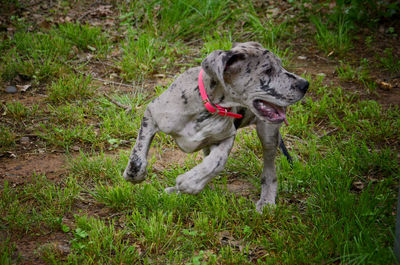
(322, 58)
(283, 13)
(119, 214)
(84, 15)
(328, 133)
(103, 80)
(293, 137)
(393, 77)
(111, 82)
(118, 104)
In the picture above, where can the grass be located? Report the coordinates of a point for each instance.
(335, 204)
(350, 116)
(35, 56)
(7, 138)
(85, 37)
(181, 19)
(269, 35)
(390, 62)
(39, 56)
(18, 111)
(93, 169)
(108, 127)
(217, 41)
(70, 88)
(37, 206)
(335, 40)
(144, 54)
(347, 72)
(6, 250)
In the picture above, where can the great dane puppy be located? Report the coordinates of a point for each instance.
(205, 106)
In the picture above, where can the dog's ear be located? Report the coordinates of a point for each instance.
(233, 64)
(220, 63)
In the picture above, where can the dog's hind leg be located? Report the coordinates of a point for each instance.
(136, 170)
(196, 179)
(269, 136)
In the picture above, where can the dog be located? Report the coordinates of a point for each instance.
(205, 106)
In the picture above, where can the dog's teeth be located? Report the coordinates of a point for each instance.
(270, 111)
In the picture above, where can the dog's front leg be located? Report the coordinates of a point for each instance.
(136, 171)
(197, 178)
(269, 136)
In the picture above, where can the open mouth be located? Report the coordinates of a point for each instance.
(271, 112)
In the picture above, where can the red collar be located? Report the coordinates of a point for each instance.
(217, 109)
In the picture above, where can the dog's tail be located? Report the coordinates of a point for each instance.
(284, 150)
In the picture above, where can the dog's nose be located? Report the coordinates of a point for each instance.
(302, 85)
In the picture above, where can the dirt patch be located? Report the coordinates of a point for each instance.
(387, 92)
(174, 156)
(21, 170)
(240, 187)
(29, 247)
(168, 157)
(388, 97)
(25, 98)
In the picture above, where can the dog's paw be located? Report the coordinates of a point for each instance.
(135, 171)
(134, 178)
(187, 183)
(171, 190)
(263, 203)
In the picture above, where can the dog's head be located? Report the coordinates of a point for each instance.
(254, 77)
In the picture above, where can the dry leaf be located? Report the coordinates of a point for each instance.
(358, 185)
(159, 75)
(45, 24)
(103, 11)
(385, 85)
(225, 238)
(23, 88)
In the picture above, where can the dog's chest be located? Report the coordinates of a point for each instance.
(198, 135)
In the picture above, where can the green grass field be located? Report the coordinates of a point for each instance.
(64, 144)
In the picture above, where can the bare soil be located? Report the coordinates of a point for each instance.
(20, 170)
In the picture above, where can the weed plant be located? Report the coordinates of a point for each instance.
(7, 138)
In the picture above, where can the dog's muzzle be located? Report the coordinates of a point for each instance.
(301, 85)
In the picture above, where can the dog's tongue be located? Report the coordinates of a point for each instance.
(286, 121)
(282, 113)
(271, 111)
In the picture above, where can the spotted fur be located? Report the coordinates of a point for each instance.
(233, 79)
